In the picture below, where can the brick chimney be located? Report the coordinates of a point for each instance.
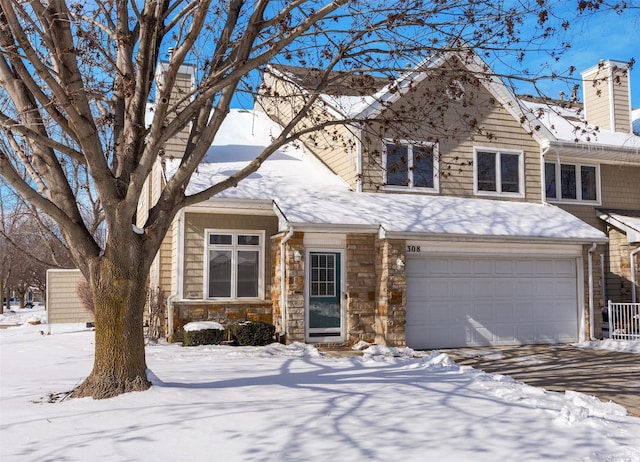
(607, 96)
(182, 92)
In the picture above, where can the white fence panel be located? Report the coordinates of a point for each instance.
(624, 321)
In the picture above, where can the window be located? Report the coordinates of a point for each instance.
(571, 182)
(498, 172)
(410, 165)
(234, 264)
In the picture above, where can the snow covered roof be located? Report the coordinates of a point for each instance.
(417, 215)
(571, 133)
(308, 195)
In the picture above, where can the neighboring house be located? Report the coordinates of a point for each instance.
(438, 231)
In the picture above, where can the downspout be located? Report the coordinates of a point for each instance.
(543, 188)
(603, 280)
(632, 256)
(358, 158)
(283, 285)
(591, 310)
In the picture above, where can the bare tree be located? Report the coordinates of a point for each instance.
(30, 244)
(77, 79)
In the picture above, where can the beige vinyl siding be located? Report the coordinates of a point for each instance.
(456, 139)
(182, 96)
(142, 212)
(63, 302)
(194, 253)
(598, 98)
(620, 186)
(334, 145)
(621, 105)
(170, 257)
(586, 213)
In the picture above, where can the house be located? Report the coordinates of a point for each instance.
(439, 211)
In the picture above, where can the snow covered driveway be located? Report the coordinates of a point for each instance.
(609, 375)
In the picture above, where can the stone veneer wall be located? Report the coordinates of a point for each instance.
(294, 287)
(391, 316)
(361, 288)
(224, 313)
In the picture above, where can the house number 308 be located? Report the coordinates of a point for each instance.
(413, 248)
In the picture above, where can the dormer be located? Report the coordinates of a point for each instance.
(607, 96)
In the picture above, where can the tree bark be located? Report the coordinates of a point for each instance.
(119, 294)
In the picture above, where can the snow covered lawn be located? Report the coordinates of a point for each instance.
(289, 403)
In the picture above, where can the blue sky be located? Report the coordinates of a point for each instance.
(602, 36)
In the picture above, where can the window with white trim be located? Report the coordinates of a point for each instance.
(571, 182)
(498, 172)
(234, 264)
(410, 165)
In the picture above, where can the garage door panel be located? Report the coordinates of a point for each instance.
(439, 288)
(483, 266)
(482, 301)
(505, 311)
(504, 288)
(483, 288)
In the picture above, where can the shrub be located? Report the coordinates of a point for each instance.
(252, 333)
(209, 333)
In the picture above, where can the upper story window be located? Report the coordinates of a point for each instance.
(571, 182)
(410, 165)
(498, 172)
(234, 264)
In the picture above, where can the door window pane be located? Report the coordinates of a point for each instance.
(323, 275)
(220, 273)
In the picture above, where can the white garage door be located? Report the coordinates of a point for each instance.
(479, 301)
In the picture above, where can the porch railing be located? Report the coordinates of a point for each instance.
(624, 321)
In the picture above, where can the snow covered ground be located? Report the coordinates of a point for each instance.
(290, 403)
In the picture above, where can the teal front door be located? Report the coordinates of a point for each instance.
(324, 315)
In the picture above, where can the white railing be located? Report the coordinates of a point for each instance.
(624, 321)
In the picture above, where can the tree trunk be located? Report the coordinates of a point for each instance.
(119, 293)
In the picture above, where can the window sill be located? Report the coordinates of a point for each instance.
(409, 190)
(573, 202)
(219, 301)
(498, 194)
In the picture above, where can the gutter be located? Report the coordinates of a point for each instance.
(358, 157)
(591, 310)
(283, 285)
(632, 256)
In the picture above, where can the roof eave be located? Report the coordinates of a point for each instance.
(595, 152)
(494, 238)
